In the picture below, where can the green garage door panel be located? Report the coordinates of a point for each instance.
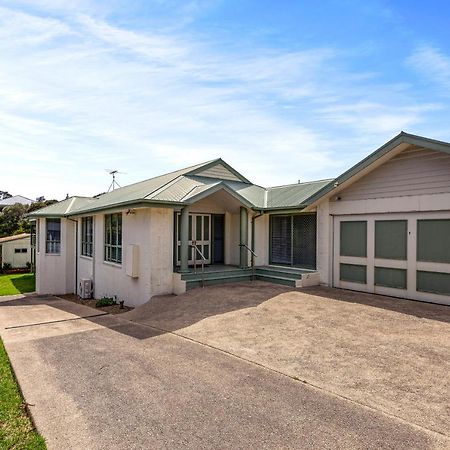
(391, 239)
(434, 282)
(354, 273)
(433, 240)
(388, 277)
(353, 239)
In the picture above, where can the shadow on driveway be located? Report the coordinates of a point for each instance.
(411, 307)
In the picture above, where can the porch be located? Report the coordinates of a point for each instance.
(219, 239)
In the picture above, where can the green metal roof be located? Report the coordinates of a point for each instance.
(186, 186)
(63, 208)
(294, 194)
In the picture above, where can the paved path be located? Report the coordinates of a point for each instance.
(102, 382)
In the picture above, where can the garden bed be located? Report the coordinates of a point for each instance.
(112, 309)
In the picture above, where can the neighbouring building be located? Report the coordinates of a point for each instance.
(13, 200)
(15, 251)
(381, 227)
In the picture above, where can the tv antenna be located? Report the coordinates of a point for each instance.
(114, 182)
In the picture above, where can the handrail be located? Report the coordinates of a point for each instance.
(197, 250)
(252, 259)
(249, 249)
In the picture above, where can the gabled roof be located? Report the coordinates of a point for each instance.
(15, 199)
(62, 208)
(16, 237)
(384, 150)
(189, 185)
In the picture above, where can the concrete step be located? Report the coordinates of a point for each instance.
(266, 271)
(218, 279)
(277, 280)
(212, 274)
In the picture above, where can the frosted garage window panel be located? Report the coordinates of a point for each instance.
(434, 282)
(433, 240)
(391, 239)
(353, 238)
(389, 277)
(353, 273)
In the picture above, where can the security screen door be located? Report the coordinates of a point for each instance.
(293, 240)
(199, 234)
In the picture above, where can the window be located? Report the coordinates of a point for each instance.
(87, 236)
(113, 238)
(53, 236)
(20, 250)
(353, 239)
(391, 239)
(33, 234)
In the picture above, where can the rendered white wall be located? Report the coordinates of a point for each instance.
(55, 273)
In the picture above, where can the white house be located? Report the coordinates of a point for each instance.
(382, 227)
(4, 202)
(15, 251)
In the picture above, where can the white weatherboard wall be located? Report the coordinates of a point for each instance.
(9, 255)
(55, 273)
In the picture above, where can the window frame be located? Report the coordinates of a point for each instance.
(112, 239)
(87, 237)
(52, 246)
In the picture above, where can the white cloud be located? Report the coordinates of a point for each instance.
(433, 64)
(79, 94)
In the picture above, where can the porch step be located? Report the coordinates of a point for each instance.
(216, 279)
(287, 276)
(213, 274)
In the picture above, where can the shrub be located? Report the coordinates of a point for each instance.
(28, 265)
(105, 301)
(7, 266)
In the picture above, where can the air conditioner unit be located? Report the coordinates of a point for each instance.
(85, 288)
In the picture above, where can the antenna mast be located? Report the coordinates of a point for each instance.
(114, 183)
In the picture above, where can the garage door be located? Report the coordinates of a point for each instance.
(401, 255)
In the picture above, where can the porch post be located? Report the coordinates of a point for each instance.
(184, 238)
(243, 238)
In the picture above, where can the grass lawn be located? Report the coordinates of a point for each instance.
(16, 428)
(17, 283)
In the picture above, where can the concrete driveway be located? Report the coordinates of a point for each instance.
(248, 365)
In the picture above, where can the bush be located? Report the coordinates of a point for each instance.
(28, 265)
(105, 301)
(7, 266)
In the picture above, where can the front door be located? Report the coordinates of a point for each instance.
(199, 236)
(218, 231)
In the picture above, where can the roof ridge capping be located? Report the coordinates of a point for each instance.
(402, 138)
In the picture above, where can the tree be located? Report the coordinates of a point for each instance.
(12, 220)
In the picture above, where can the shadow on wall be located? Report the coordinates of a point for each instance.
(415, 308)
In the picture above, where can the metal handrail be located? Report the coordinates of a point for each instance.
(252, 259)
(203, 259)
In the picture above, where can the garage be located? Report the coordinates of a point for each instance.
(402, 255)
(384, 224)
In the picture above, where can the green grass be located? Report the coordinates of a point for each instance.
(16, 429)
(17, 283)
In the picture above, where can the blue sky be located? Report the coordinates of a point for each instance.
(281, 90)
